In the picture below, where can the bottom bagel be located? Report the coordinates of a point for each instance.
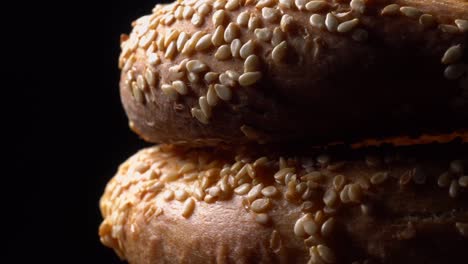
(254, 205)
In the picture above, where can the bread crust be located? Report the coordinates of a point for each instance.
(170, 204)
(378, 75)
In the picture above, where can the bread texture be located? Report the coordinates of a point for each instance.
(170, 204)
(207, 72)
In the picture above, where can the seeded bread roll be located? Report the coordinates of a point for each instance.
(252, 205)
(204, 72)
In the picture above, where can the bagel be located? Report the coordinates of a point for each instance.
(240, 71)
(172, 204)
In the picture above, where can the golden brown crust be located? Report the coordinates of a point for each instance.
(382, 69)
(177, 205)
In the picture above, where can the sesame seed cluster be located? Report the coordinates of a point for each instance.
(209, 51)
(319, 187)
(209, 60)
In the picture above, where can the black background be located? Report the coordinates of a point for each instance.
(63, 125)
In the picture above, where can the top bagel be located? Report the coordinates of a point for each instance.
(211, 71)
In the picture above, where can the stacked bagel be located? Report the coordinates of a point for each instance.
(294, 131)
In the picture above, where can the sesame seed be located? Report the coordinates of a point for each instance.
(451, 29)
(233, 75)
(254, 22)
(299, 228)
(279, 52)
(286, 22)
(251, 64)
(316, 6)
(141, 83)
(224, 79)
(453, 189)
(463, 181)
(178, 13)
(409, 11)
(338, 182)
(203, 43)
(180, 195)
(198, 114)
(223, 92)
(264, 3)
(168, 195)
(462, 228)
(243, 189)
(300, 4)
(285, 3)
(462, 24)
(390, 10)
(348, 25)
(454, 71)
(344, 194)
(169, 19)
(280, 175)
(168, 38)
(358, 6)
(317, 21)
(326, 254)
(211, 96)
(444, 180)
(181, 40)
(218, 36)
(219, 4)
(260, 205)
(189, 206)
(198, 193)
(330, 197)
(327, 227)
(193, 77)
(360, 35)
(263, 34)
(146, 40)
(405, 178)
(188, 12)
(270, 191)
(427, 20)
(260, 161)
(310, 227)
(254, 192)
(243, 19)
(196, 66)
(331, 22)
(180, 87)
(211, 77)
(204, 106)
(150, 77)
(197, 20)
(214, 191)
(232, 5)
(209, 199)
(270, 14)
(160, 42)
(262, 219)
(203, 9)
(379, 178)
(232, 32)
(190, 44)
(249, 78)
(235, 47)
(218, 18)
(169, 91)
(247, 49)
(354, 192)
